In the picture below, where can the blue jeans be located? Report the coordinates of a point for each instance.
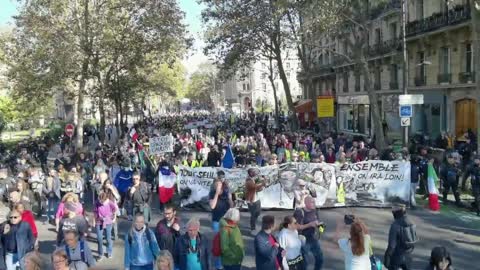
(108, 232)
(52, 204)
(141, 267)
(217, 260)
(313, 246)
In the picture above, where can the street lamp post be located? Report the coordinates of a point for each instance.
(404, 60)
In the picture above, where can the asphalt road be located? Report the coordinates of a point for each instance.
(459, 235)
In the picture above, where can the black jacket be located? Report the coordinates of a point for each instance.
(182, 248)
(166, 236)
(397, 253)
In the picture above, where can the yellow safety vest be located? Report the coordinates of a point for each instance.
(194, 164)
(341, 194)
(288, 156)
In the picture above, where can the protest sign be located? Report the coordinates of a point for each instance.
(369, 183)
(162, 144)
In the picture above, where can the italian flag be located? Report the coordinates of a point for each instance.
(433, 203)
(166, 184)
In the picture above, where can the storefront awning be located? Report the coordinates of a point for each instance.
(303, 106)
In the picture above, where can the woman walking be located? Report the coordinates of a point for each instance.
(291, 241)
(356, 247)
(17, 239)
(104, 213)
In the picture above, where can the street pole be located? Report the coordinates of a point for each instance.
(405, 63)
(475, 11)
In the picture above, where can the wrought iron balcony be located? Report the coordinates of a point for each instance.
(384, 7)
(385, 47)
(323, 69)
(444, 78)
(420, 81)
(393, 85)
(466, 77)
(458, 14)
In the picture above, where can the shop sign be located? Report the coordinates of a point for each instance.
(352, 100)
(325, 107)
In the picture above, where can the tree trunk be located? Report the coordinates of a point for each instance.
(101, 109)
(275, 97)
(288, 95)
(380, 143)
(117, 119)
(81, 92)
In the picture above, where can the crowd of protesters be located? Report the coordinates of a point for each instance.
(122, 179)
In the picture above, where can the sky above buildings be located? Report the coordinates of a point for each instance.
(192, 9)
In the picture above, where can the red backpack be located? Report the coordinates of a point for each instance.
(217, 243)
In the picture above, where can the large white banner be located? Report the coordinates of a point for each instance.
(370, 183)
(159, 145)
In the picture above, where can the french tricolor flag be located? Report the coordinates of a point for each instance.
(166, 184)
(133, 134)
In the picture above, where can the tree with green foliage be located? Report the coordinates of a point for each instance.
(240, 32)
(95, 48)
(346, 20)
(202, 84)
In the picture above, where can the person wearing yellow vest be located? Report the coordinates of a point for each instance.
(190, 162)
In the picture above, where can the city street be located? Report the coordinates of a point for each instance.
(455, 234)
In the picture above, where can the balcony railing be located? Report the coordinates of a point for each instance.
(384, 7)
(322, 69)
(385, 47)
(444, 78)
(420, 81)
(393, 85)
(466, 77)
(458, 14)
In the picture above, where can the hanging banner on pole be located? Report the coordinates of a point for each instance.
(159, 145)
(369, 183)
(325, 107)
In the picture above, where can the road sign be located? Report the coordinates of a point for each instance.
(410, 99)
(406, 111)
(69, 129)
(405, 121)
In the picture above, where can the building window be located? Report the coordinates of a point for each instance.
(243, 87)
(354, 118)
(264, 86)
(420, 78)
(444, 60)
(345, 82)
(393, 30)
(443, 6)
(378, 79)
(468, 58)
(393, 77)
(357, 81)
(378, 36)
(288, 65)
(345, 47)
(264, 66)
(248, 87)
(264, 75)
(419, 9)
(288, 75)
